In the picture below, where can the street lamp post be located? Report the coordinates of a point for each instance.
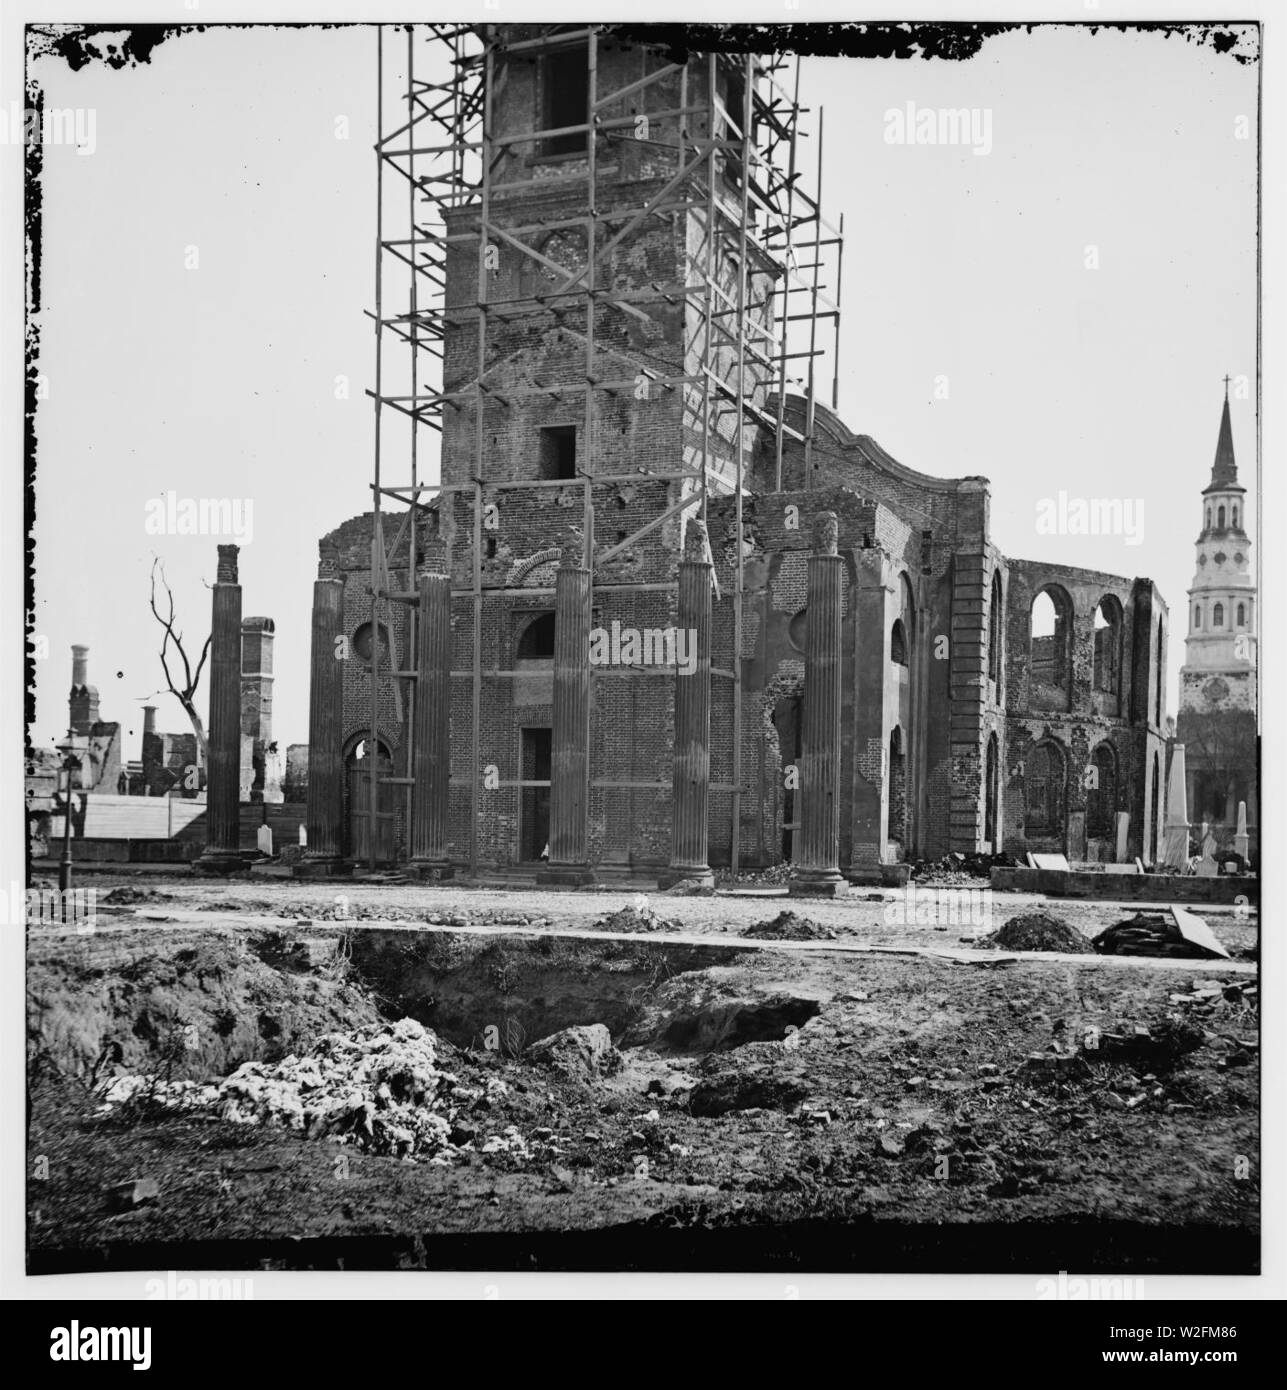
(71, 766)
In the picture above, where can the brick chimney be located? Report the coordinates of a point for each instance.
(83, 701)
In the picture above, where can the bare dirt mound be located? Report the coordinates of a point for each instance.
(585, 1051)
(790, 926)
(194, 1004)
(1040, 931)
(636, 917)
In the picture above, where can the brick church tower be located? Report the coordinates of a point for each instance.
(1218, 698)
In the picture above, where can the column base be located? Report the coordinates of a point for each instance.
(702, 877)
(823, 885)
(432, 870)
(882, 875)
(219, 863)
(329, 866)
(566, 876)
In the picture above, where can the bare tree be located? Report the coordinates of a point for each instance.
(184, 690)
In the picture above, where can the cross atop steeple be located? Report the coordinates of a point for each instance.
(1226, 386)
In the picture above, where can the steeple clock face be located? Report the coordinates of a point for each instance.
(1215, 690)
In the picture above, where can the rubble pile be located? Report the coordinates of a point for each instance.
(379, 1087)
(1039, 931)
(772, 875)
(638, 916)
(961, 868)
(127, 896)
(790, 926)
(1158, 934)
(1149, 1050)
(1213, 997)
(341, 912)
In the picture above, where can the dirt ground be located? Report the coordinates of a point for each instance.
(761, 1087)
(870, 916)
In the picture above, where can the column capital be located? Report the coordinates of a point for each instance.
(826, 534)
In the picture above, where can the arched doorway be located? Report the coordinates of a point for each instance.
(1045, 795)
(1150, 850)
(358, 768)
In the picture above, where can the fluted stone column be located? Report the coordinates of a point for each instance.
(818, 863)
(570, 753)
(691, 755)
(430, 803)
(324, 857)
(222, 853)
(874, 605)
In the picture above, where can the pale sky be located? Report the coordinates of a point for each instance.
(220, 380)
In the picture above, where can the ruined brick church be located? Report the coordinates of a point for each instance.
(629, 320)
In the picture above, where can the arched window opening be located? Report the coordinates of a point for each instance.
(1235, 515)
(1108, 645)
(898, 643)
(1197, 615)
(536, 643)
(360, 750)
(1242, 615)
(994, 633)
(1220, 518)
(1217, 615)
(1050, 633)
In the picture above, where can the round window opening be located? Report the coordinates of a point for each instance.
(363, 641)
(798, 628)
